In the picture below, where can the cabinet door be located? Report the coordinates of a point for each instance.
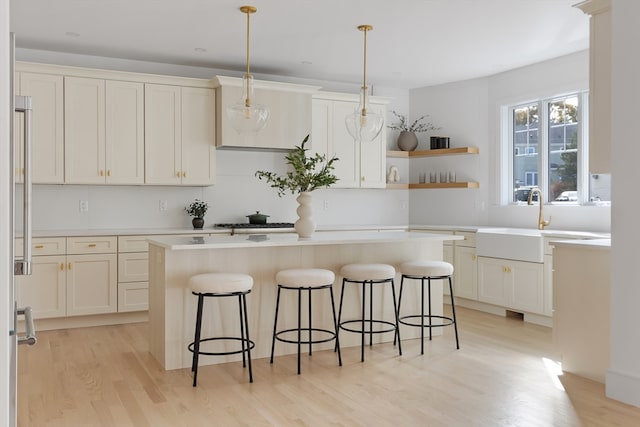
(492, 281)
(342, 145)
(47, 155)
(198, 136)
(92, 286)
(133, 267)
(124, 132)
(84, 124)
(526, 291)
(45, 289)
(162, 123)
(133, 296)
(465, 274)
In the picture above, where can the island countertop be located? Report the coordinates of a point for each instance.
(178, 243)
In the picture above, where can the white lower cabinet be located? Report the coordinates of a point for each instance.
(512, 284)
(45, 289)
(91, 284)
(92, 271)
(133, 273)
(465, 273)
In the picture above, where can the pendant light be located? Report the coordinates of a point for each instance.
(364, 125)
(246, 116)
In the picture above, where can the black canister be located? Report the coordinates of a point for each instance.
(434, 142)
(443, 142)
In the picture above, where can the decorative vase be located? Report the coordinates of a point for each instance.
(305, 225)
(197, 223)
(407, 141)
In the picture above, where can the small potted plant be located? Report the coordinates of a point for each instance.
(308, 174)
(407, 140)
(197, 210)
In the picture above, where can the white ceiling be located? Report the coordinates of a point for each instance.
(414, 43)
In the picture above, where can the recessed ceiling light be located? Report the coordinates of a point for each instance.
(72, 34)
(200, 49)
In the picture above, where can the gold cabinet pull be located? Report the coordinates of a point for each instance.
(39, 246)
(108, 172)
(178, 174)
(69, 266)
(473, 257)
(92, 245)
(62, 266)
(184, 174)
(101, 172)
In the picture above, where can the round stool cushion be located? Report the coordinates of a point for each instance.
(426, 268)
(307, 277)
(362, 272)
(220, 283)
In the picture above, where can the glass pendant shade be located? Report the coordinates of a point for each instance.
(363, 124)
(246, 116)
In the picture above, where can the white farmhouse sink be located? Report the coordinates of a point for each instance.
(521, 244)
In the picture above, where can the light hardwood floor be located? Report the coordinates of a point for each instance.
(501, 376)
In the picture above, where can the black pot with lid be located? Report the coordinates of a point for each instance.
(257, 218)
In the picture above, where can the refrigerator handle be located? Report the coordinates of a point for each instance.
(23, 267)
(30, 335)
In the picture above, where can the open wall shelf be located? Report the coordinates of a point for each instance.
(432, 153)
(470, 184)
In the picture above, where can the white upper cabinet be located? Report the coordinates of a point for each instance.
(104, 141)
(47, 155)
(361, 165)
(289, 114)
(179, 135)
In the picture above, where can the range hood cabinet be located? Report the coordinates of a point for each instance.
(289, 114)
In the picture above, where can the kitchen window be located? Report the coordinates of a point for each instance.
(548, 142)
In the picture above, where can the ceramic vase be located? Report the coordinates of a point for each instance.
(407, 141)
(197, 223)
(305, 225)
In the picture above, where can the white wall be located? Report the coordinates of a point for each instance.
(623, 377)
(237, 192)
(468, 112)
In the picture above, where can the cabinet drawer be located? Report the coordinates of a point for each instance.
(43, 246)
(133, 296)
(92, 245)
(133, 243)
(133, 267)
(469, 238)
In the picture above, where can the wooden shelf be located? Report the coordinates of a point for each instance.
(432, 153)
(470, 184)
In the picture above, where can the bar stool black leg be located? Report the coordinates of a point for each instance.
(242, 342)
(339, 313)
(275, 326)
(429, 299)
(364, 293)
(310, 339)
(370, 313)
(299, 327)
(196, 341)
(453, 311)
(422, 318)
(337, 326)
(246, 328)
(396, 309)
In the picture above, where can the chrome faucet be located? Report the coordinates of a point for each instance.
(542, 223)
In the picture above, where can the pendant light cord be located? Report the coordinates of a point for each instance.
(248, 25)
(365, 29)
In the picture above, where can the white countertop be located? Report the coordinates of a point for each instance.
(589, 244)
(292, 239)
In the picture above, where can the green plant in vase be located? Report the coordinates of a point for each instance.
(197, 210)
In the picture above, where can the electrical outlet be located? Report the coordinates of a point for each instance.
(325, 205)
(162, 205)
(84, 206)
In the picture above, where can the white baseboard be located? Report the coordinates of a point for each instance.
(623, 386)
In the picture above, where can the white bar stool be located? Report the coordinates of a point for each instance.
(309, 279)
(221, 285)
(369, 274)
(428, 270)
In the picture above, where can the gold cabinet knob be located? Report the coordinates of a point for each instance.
(108, 172)
(178, 174)
(101, 172)
(62, 266)
(184, 174)
(69, 266)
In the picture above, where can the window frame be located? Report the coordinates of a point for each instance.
(508, 144)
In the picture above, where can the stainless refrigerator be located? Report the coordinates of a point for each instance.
(22, 262)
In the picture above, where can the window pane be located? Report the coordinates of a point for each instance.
(525, 150)
(563, 149)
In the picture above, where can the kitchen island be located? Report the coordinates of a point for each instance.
(172, 260)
